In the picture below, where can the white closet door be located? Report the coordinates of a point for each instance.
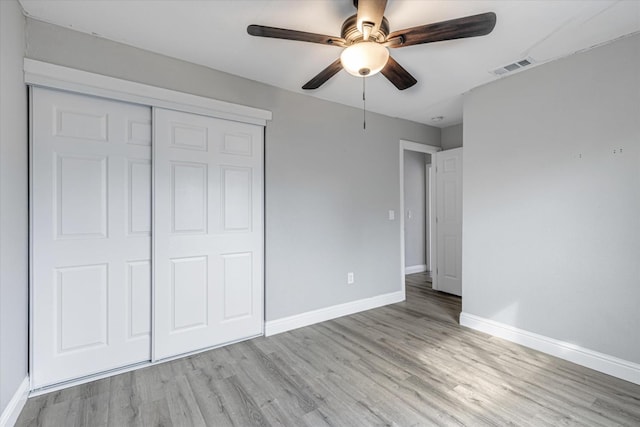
(91, 235)
(449, 221)
(208, 232)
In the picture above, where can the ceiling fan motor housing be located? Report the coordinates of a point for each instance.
(352, 34)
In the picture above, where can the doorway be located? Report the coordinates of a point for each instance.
(417, 193)
(417, 207)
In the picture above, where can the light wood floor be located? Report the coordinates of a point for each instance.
(407, 364)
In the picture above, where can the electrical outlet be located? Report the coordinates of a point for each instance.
(350, 279)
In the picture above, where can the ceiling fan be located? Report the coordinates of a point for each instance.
(365, 38)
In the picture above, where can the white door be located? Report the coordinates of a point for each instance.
(449, 221)
(91, 235)
(208, 232)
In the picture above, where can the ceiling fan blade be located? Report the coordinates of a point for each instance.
(469, 26)
(301, 36)
(398, 75)
(324, 75)
(370, 11)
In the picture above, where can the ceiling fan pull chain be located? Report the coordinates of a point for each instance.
(364, 106)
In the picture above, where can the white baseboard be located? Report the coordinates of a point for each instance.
(415, 269)
(601, 362)
(316, 316)
(14, 407)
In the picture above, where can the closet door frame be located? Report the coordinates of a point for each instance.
(51, 76)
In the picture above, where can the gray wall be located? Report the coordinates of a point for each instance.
(13, 203)
(329, 184)
(451, 137)
(415, 202)
(551, 237)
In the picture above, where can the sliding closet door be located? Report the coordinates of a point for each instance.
(208, 232)
(91, 231)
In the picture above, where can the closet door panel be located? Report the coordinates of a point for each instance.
(208, 238)
(91, 231)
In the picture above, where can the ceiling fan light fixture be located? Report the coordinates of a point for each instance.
(364, 59)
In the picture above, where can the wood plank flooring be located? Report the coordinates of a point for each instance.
(421, 280)
(408, 364)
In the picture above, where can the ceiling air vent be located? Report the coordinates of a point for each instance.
(515, 66)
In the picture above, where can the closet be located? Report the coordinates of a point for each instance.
(146, 234)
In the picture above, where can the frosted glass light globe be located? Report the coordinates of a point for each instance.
(364, 58)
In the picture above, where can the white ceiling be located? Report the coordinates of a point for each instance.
(213, 33)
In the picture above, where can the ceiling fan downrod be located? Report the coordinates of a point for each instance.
(364, 105)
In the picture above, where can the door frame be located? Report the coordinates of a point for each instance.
(430, 192)
(406, 145)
